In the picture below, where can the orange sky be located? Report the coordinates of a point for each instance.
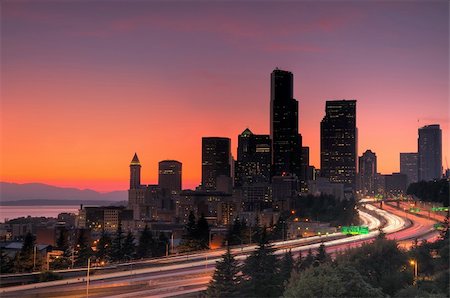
(83, 90)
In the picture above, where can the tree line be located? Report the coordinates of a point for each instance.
(108, 248)
(431, 191)
(376, 269)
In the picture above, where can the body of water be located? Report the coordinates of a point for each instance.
(10, 212)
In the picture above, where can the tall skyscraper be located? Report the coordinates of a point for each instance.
(286, 140)
(136, 193)
(367, 172)
(338, 142)
(254, 158)
(135, 172)
(408, 166)
(216, 161)
(430, 152)
(169, 176)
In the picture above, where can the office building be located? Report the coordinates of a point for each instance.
(430, 153)
(408, 166)
(367, 172)
(338, 143)
(253, 159)
(286, 140)
(169, 176)
(216, 161)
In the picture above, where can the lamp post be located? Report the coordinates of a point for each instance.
(414, 263)
(34, 257)
(87, 277)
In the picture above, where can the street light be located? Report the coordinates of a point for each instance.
(416, 265)
(87, 277)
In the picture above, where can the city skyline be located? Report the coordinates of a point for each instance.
(114, 107)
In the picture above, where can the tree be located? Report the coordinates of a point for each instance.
(117, 253)
(225, 281)
(144, 248)
(83, 249)
(6, 264)
(287, 265)
(307, 262)
(203, 232)
(328, 280)
(103, 252)
(322, 256)
(235, 233)
(279, 231)
(382, 264)
(128, 246)
(260, 271)
(61, 242)
(24, 260)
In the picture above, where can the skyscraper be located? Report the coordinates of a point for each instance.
(338, 139)
(254, 158)
(169, 175)
(216, 161)
(367, 172)
(135, 172)
(430, 152)
(136, 193)
(408, 166)
(286, 140)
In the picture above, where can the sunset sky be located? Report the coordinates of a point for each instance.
(85, 84)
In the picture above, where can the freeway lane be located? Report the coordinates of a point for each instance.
(145, 282)
(206, 263)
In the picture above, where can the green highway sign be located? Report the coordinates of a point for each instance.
(438, 226)
(355, 230)
(439, 209)
(414, 210)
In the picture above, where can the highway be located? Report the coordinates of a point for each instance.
(179, 275)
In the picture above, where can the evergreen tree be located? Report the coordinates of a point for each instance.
(6, 264)
(103, 252)
(129, 247)
(117, 253)
(287, 265)
(328, 280)
(63, 261)
(24, 260)
(308, 261)
(146, 242)
(83, 249)
(225, 281)
(322, 256)
(203, 232)
(61, 242)
(191, 226)
(261, 271)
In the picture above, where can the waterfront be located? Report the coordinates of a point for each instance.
(10, 212)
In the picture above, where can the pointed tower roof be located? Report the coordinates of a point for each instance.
(246, 132)
(135, 161)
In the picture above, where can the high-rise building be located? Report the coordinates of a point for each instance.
(367, 172)
(430, 152)
(338, 142)
(135, 172)
(253, 158)
(286, 140)
(408, 166)
(169, 176)
(216, 161)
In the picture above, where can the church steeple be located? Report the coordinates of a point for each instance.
(135, 172)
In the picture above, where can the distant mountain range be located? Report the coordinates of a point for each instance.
(39, 193)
